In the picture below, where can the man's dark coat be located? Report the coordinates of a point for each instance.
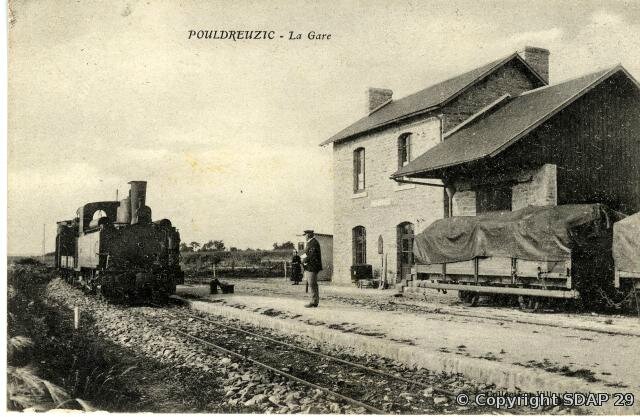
(313, 261)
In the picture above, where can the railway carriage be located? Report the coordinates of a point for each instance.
(114, 248)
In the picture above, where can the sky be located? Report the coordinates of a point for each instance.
(227, 133)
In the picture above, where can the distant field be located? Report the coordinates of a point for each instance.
(12, 259)
(257, 263)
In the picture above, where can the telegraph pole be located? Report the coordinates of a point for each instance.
(44, 236)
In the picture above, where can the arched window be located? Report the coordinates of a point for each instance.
(358, 170)
(99, 214)
(359, 238)
(404, 149)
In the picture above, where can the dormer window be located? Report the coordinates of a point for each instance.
(404, 149)
(358, 170)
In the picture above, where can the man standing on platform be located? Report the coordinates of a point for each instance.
(312, 262)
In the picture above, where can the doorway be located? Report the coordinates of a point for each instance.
(405, 250)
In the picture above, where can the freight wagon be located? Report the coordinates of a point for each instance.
(626, 252)
(536, 255)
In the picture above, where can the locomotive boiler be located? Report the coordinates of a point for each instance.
(114, 248)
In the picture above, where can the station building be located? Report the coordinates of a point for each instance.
(431, 155)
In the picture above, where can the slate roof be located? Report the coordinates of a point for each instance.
(490, 135)
(424, 100)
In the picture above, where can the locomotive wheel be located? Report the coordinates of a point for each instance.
(529, 303)
(100, 292)
(160, 297)
(104, 292)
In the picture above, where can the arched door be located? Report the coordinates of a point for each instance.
(405, 249)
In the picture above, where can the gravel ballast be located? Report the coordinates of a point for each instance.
(241, 387)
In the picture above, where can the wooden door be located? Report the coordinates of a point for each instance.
(405, 250)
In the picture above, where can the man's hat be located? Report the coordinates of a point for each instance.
(308, 232)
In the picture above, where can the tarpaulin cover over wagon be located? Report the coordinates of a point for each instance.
(626, 244)
(532, 233)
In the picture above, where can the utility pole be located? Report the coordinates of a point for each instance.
(44, 237)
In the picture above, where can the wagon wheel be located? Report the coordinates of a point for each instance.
(470, 298)
(529, 304)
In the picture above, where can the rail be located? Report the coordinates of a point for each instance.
(311, 352)
(277, 371)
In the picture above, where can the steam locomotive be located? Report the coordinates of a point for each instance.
(113, 248)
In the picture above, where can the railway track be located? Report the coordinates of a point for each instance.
(241, 344)
(260, 369)
(416, 385)
(344, 380)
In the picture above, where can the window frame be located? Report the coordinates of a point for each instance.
(359, 170)
(404, 149)
(488, 198)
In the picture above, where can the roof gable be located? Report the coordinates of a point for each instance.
(492, 134)
(427, 99)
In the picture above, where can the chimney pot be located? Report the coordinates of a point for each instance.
(538, 58)
(377, 97)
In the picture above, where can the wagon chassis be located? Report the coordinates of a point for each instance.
(532, 282)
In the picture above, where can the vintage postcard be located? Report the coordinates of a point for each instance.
(337, 207)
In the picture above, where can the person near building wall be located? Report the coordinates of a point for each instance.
(296, 268)
(312, 262)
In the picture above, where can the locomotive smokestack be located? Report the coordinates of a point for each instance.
(138, 196)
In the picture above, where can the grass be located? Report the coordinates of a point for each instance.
(51, 365)
(27, 389)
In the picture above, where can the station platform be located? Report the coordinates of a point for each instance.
(514, 350)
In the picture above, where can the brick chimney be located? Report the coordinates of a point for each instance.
(538, 58)
(377, 97)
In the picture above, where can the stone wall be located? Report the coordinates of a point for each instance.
(464, 203)
(540, 188)
(509, 79)
(384, 204)
(533, 186)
